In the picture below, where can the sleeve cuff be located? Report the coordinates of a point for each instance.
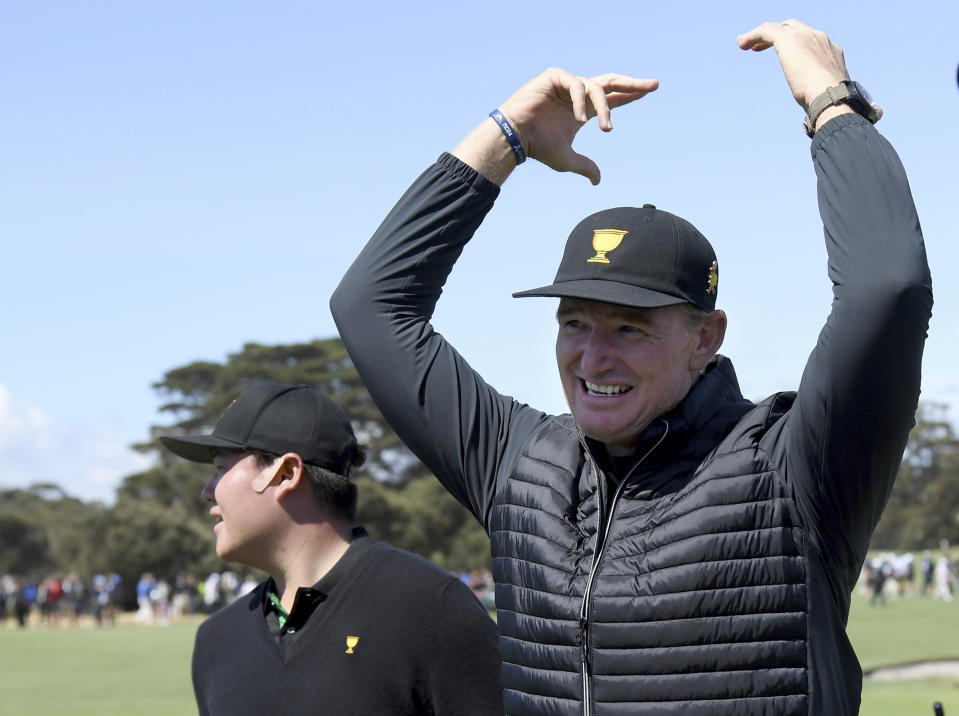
(463, 172)
(836, 125)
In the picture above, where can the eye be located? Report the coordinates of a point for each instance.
(220, 468)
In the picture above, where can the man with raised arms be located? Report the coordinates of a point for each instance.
(668, 547)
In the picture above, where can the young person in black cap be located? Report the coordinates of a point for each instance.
(344, 625)
(669, 547)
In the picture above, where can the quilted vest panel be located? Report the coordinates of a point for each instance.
(697, 603)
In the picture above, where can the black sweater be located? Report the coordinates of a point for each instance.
(425, 646)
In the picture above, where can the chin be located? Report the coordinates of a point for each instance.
(624, 437)
(602, 428)
(225, 553)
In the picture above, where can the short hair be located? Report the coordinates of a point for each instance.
(694, 314)
(333, 490)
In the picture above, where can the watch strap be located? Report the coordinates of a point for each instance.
(832, 96)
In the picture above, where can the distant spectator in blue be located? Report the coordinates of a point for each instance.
(144, 601)
(25, 601)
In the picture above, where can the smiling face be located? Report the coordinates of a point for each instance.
(245, 518)
(622, 367)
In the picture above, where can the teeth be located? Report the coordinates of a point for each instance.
(595, 389)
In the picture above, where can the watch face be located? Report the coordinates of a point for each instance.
(861, 101)
(862, 91)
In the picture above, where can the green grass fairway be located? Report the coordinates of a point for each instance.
(905, 630)
(128, 671)
(909, 698)
(133, 670)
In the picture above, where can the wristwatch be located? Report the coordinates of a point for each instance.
(851, 93)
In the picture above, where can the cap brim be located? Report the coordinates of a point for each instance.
(622, 294)
(199, 448)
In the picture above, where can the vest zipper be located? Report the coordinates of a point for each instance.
(602, 535)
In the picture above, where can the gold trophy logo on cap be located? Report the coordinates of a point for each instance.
(604, 241)
(351, 641)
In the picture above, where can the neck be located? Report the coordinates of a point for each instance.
(307, 556)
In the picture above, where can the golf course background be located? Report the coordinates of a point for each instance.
(131, 670)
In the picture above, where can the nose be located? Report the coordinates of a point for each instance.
(207, 493)
(597, 355)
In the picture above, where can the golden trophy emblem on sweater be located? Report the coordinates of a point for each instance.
(604, 241)
(351, 641)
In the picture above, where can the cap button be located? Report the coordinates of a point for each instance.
(649, 206)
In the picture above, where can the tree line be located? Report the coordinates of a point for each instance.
(160, 524)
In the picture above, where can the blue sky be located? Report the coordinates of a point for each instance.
(181, 178)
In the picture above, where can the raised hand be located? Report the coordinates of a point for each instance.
(550, 109)
(546, 113)
(810, 60)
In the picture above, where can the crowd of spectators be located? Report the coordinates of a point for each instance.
(53, 601)
(889, 575)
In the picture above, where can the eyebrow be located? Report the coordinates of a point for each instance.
(224, 454)
(622, 313)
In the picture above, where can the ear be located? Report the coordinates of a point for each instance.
(710, 337)
(290, 474)
(283, 470)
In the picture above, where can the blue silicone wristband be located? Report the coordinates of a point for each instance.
(510, 135)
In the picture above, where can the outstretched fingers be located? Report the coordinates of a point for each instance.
(764, 36)
(619, 90)
(810, 61)
(550, 109)
(587, 97)
(596, 96)
(613, 83)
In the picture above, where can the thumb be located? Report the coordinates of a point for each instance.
(581, 164)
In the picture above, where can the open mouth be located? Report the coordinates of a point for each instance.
(605, 390)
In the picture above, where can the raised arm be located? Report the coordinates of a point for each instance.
(843, 440)
(458, 425)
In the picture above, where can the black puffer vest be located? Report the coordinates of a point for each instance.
(688, 597)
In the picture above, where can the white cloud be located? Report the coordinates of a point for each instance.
(21, 426)
(36, 447)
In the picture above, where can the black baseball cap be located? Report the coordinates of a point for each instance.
(277, 418)
(638, 257)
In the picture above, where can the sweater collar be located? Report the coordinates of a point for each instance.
(307, 599)
(717, 388)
